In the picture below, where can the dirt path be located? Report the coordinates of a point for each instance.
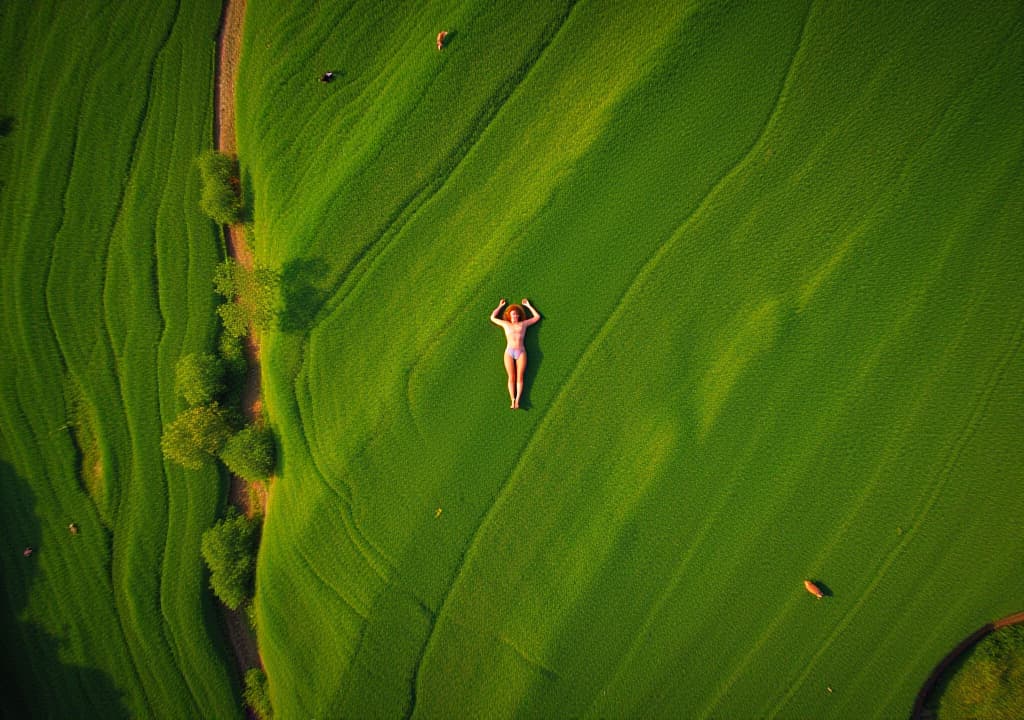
(229, 45)
(920, 712)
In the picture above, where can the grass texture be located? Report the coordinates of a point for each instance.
(777, 250)
(105, 283)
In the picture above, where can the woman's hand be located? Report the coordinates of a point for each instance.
(526, 302)
(501, 303)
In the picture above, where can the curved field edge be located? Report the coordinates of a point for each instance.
(780, 279)
(106, 283)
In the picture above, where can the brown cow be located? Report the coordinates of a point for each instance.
(813, 589)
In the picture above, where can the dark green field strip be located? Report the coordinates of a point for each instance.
(104, 221)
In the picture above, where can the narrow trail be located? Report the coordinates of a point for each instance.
(920, 712)
(229, 45)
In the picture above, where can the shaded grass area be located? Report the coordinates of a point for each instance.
(106, 281)
(776, 249)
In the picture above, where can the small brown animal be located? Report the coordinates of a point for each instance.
(813, 589)
(440, 39)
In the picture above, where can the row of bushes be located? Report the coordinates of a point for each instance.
(210, 430)
(204, 433)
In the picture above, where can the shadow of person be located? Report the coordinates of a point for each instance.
(826, 591)
(534, 358)
(37, 683)
(450, 38)
(302, 295)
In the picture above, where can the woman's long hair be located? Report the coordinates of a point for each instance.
(508, 312)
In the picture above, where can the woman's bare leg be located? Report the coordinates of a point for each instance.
(520, 369)
(510, 368)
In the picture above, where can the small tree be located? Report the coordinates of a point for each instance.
(199, 377)
(229, 549)
(256, 694)
(234, 319)
(251, 295)
(249, 453)
(196, 436)
(221, 198)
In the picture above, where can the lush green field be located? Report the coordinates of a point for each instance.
(778, 251)
(105, 282)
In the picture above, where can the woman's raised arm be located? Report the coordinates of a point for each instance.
(494, 315)
(536, 315)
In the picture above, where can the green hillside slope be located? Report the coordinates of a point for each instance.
(777, 250)
(105, 282)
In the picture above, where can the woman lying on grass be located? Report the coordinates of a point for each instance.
(514, 324)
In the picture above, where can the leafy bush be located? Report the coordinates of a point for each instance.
(250, 615)
(229, 549)
(199, 377)
(221, 199)
(256, 695)
(252, 296)
(990, 684)
(249, 453)
(225, 281)
(196, 436)
(234, 319)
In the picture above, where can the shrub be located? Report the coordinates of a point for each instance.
(224, 279)
(250, 615)
(252, 296)
(232, 352)
(234, 318)
(196, 435)
(249, 453)
(990, 683)
(229, 549)
(256, 695)
(220, 199)
(199, 377)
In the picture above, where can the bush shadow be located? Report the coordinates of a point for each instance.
(302, 293)
(7, 125)
(31, 655)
